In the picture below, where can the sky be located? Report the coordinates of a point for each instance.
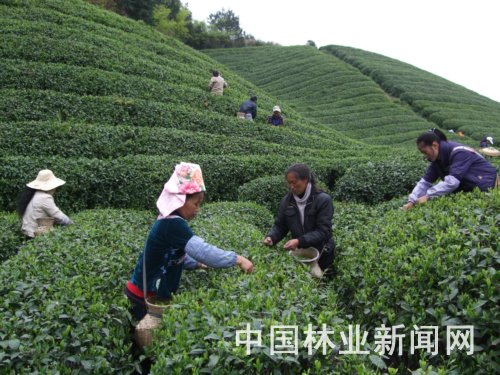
(458, 40)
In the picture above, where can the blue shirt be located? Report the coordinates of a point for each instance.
(249, 106)
(275, 120)
(171, 246)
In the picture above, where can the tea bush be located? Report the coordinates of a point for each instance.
(427, 93)
(76, 140)
(35, 105)
(198, 331)
(10, 235)
(375, 182)
(136, 181)
(435, 265)
(323, 88)
(266, 191)
(246, 212)
(121, 104)
(62, 307)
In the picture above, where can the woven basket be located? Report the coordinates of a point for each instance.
(144, 330)
(489, 151)
(152, 320)
(41, 230)
(45, 221)
(155, 308)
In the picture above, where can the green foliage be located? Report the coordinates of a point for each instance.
(198, 331)
(62, 306)
(111, 105)
(100, 141)
(375, 182)
(434, 265)
(138, 9)
(174, 26)
(442, 102)
(136, 181)
(247, 212)
(11, 237)
(326, 90)
(266, 191)
(226, 21)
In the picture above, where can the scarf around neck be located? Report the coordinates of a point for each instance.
(301, 202)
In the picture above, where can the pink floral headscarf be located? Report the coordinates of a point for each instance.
(186, 179)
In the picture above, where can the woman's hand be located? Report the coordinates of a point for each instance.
(423, 199)
(407, 206)
(268, 241)
(201, 266)
(244, 264)
(291, 245)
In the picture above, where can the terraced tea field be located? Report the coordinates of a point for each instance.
(445, 103)
(327, 90)
(110, 105)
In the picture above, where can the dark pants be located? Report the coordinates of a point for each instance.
(137, 305)
(325, 261)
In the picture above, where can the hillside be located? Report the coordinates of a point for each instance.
(363, 94)
(326, 90)
(445, 103)
(110, 105)
(113, 95)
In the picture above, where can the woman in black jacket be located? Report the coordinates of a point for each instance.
(306, 212)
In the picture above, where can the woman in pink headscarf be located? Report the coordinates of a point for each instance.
(172, 246)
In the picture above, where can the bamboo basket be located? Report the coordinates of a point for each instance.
(152, 320)
(45, 224)
(490, 151)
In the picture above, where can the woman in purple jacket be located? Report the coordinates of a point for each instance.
(459, 167)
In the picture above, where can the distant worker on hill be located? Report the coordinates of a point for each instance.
(486, 142)
(459, 167)
(37, 202)
(248, 109)
(276, 119)
(217, 84)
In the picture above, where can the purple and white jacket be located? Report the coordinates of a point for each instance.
(460, 168)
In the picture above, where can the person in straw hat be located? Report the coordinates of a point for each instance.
(37, 201)
(276, 119)
(171, 245)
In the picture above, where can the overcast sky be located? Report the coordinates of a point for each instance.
(458, 40)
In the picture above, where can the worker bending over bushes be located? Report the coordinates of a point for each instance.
(460, 168)
(171, 246)
(306, 211)
(37, 202)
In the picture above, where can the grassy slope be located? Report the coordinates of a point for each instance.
(327, 90)
(443, 102)
(100, 86)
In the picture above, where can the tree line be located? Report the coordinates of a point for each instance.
(173, 18)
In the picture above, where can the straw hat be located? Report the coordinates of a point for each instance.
(276, 109)
(45, 181)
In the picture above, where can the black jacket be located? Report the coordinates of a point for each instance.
(317, 229)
